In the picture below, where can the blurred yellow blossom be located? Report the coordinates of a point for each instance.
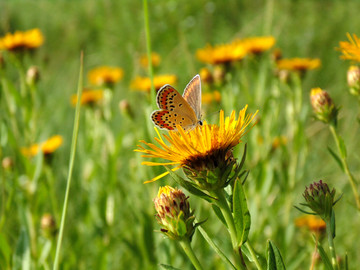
(18, 41)
(350, 50)
(105, 75)
(207, 98)
(47, 147)
(144, 83)
(221, 54)
(205, 75)
(298, 64)
(257, 45)
(311, 222)
(88, 97)
(155, 60)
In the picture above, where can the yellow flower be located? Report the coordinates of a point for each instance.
(18, 41)
(222, 54)
(47, 147)
(208, 98)
(88, 97)
(298, 64)
(155, 60)
(144, 83)
(257, 45)
(105, 75)
(313, 223)
(201, 148)
(350, 50)
(205, 75)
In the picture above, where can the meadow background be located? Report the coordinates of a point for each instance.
(110, 220)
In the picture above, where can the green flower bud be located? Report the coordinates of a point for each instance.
(323, 106)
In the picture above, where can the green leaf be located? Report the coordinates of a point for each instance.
(332, 224)
(325, 259)
(218, 213)
(189, 186)
(169, 267)
(242, 217)
(21, 258)
(274, 260)
(337, 158)
(342, 147)
(5, 252)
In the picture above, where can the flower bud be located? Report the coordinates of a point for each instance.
(125, 108)
(7, 163)
(32, 75)
(206, 76)
(353, 80)
(320, 199)
(48, 225)
(173, 213)
(323, 106)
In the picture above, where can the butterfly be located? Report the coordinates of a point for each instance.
(175, 109)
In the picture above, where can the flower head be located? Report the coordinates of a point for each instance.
(257, 45)
(298, 64)
(208, 98)
(350, 50)
(105, 75)
(88, 97)
(205, 75)
(20, 41)
(144, 83)
(155, 60)
(203, 152)
(222, 54)
(173, 213)
(323, 106)
(47, 147)
(313, 223)
(320, 199)
(353, 80)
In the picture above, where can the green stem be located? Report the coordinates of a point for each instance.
(351, 178)
(185, 244)
(225, 210)
(253, 255)
(331, 245)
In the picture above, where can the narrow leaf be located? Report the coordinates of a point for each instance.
(324, 257)
(168, 267)
(337, 158)
(342, 147)
(218, 213)
(275, 261)
(21, 258)
(242, 217)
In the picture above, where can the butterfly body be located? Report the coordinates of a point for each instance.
(184, 111)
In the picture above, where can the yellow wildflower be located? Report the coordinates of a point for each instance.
(155, 60)
(18, 41)
(298, 64)
(47, 147)
(313, 223)
(88, 97)
(144, 83)
(208, 98)
(257, 45)
(105, 75)
(202, 148)
(350, 50)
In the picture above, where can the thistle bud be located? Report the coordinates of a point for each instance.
(323, 106)
(173, 213)
(320, 199)
(353, 80)
(32, 75)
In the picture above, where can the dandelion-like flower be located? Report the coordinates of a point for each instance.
(105, 75)
(155, 60)
(205, 152)
(311, 222)
(173, 213)
(144, 83)
(48, 147)
(298, 64)
(222, 54)
(88, 97)
(350, 49)
(20, 41)
(258, 45)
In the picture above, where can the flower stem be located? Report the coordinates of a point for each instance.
(225, 210)
(253, 255)
(351, 178)
(185, 244)
(331, 245)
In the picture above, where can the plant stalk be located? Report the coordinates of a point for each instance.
(185, 244)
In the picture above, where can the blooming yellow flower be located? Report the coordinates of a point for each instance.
(222, 54)
(257, 45)
(313, 223)
(47, 147)
(155, 60)
(350, 50)
(298, 64)
(105, 75)
(18, 41)
(144, 83)
(200, 148)
(208, 98)
(88, 97)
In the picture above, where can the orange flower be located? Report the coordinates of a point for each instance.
(257, 45)
(298, 64)
(88, 97)
(350, 50)
(47, 147)
(144, 83)
(208, 98)
(313, 223)
(105, 75)
(18, 41)
(155, 60)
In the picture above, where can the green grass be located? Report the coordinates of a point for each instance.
(110, 221)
